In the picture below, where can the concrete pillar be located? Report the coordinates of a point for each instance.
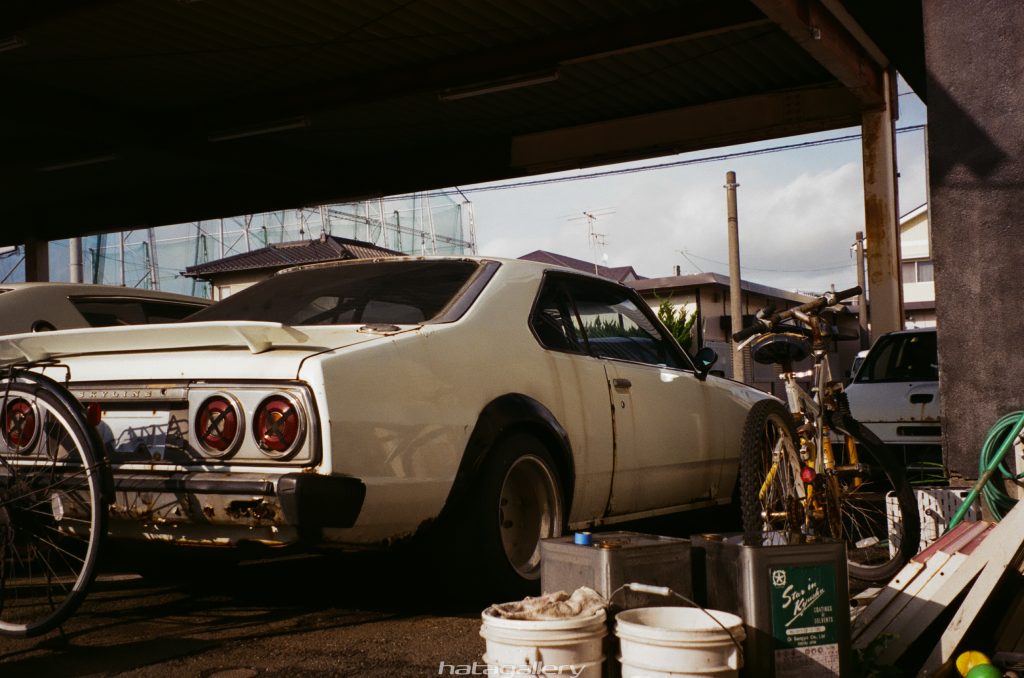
(37, 261)
(975, 64)
(881, 215)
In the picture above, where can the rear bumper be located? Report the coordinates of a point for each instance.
(304, 502)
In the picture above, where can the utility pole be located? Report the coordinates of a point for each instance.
(75, 254)
(862, 299)
(735, 293)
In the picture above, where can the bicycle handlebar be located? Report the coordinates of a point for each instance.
(765, 323)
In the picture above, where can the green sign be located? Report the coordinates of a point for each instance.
(804, 621)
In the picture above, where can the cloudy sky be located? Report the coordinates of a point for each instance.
(799, 210)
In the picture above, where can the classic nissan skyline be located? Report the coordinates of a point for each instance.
(355, 404)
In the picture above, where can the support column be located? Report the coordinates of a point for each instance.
(976, 171)
(881, 215)
(37, 261)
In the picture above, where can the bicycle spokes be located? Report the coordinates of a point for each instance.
(52, 512)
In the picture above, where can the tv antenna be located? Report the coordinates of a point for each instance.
(594, 239)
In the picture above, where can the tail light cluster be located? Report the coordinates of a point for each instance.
(277, 425)
(20, 424)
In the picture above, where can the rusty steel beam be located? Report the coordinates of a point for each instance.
(815, 29)
(881, 217)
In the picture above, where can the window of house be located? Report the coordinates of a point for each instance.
(918, 271)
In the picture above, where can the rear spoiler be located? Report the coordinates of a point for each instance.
(257, 337)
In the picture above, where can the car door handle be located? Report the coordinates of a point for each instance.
(921, 398)
(620, 383)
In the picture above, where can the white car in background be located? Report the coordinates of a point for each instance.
(48, 306)
(356, 404)
(895, 393)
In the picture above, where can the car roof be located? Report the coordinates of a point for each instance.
(912, 330)
(90, 290)
(514, 264)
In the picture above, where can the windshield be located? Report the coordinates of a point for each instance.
(901, 357)
(386, 292)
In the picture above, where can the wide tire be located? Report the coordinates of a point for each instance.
(519, 501)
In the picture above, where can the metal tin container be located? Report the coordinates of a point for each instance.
(616, 558)
(793, 597)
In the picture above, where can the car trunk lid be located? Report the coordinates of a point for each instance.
(255, 337)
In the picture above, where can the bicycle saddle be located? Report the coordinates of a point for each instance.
(779, 348)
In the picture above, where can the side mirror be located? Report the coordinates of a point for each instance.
(705, 358)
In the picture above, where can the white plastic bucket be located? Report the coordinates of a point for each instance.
(671, 642)
(567, 648)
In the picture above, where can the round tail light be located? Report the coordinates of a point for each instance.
(278, 425)
(218, 425)
(20, 424)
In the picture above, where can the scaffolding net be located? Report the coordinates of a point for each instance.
(156, 258)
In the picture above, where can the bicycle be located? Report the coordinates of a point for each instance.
(813, 467)
(54, 492)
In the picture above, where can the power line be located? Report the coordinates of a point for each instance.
(651, 168)
(687, 255)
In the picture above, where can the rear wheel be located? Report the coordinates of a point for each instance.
(769, 470)
(871, 506)
(52, 507)
(520, 501)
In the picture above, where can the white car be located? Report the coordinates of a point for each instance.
(365, 402)
(48, 306)
(895, 393)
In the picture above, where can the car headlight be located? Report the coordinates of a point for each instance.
(279, 425)
(218, 425)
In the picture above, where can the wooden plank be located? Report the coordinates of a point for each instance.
(925, 608)
(963, 539)
(1002, 550)
(885, 598)
(886, 621)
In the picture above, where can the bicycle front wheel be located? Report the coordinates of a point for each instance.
(770, 486)
(870, 505)
(52, 506)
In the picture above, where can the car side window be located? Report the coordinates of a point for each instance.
(615, 327)
(902, 357)
(553, 321)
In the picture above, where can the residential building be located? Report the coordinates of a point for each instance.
(234, 273)
(918, 269)
(622, 274)
(707, 295)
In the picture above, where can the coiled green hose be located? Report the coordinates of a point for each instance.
(997, 443)
(998, 502)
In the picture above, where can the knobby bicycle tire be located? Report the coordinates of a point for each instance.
(778, 508)
(54, 489)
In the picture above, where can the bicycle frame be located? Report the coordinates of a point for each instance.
(815, 440)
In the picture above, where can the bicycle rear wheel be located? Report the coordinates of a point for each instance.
(769, 471)
(52, 505)
(870, 505)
